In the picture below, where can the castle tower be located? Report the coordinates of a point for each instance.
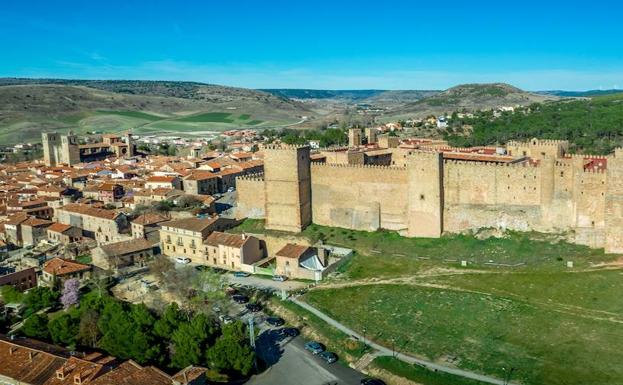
(547, 180)
(371, 135)
(70, 152)
(50, 148)
(287, 187)
(425, 195)
(130, 143)
(354, 137)
(614, 203)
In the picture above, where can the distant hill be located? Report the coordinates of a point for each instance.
(468, 97)
(30, 106)
(354, 96)
(580, 94)
(592, 125)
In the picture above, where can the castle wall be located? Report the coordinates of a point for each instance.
(359, 197)
(250, 197)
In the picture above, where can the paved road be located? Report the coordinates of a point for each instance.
(265, 283)
(403, 357)
(292, 364)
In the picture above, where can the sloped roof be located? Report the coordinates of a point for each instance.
(59, 266)
(218, 238)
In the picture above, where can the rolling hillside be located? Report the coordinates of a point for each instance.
(30, 106)
(468, 97)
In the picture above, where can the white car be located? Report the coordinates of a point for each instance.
(183, 261)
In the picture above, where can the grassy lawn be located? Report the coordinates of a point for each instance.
(254, 122)
(387, 254)
(421, 375)
(132, 114)
(482, 332)
(244, 117)
(216, 117)
(86, 259)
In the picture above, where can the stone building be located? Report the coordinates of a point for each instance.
(232, 251)
(105, 226)
(66, 149)
(185, 237)
(425, 192)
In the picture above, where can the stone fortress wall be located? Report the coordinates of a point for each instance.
(429, 195)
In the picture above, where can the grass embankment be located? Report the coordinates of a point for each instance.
(482, 332)
(387, 254)
(419, 374)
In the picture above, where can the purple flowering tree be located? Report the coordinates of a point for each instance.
(71, 293)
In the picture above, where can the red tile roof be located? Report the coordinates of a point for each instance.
(60, 266)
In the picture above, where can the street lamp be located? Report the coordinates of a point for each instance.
(364, 338)
(393, 347)
(507, 375)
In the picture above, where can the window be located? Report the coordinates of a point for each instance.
(421, 197)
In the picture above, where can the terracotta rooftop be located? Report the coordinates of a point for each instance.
(192, 224)
(58, 266)
(232, 240)
(150, 219)
(200, 175)
(127, 247)
(90, 211)
(27, 365)
(161, 179)
(292, 251)
(59, 227)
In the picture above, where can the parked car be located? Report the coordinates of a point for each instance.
(280, 278)
(289, 332)
(372, 381)
(182, 260)
(241, 274)
(201, 268)
(225, 319)
(275, 321)
(239, 298)
(328, 357)
(231, 189)
(314, 347)
(254, 307)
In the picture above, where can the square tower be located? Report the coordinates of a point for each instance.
(287, 187)
(50, 141)
(354, 137)
(425, 199)
(70, 150)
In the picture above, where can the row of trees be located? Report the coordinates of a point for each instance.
(172, 339)
(591, 126)
(327, 137)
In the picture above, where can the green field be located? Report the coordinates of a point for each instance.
(208, 117)
(420, 375)
(545, 319)
(482, 332)
(132, 114)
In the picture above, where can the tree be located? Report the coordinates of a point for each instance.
(39, 298)
(71, 293)
(36, 326)
(11, 294)
(170, 320)
(64, 329)
(161, 267)
(209, 291)
(189, 342)
(88, 331)
(231, 352)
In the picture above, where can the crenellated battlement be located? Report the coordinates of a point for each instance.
(539, 142)
(356, 166)
(285, 147)
(259, 177)
(492, 165)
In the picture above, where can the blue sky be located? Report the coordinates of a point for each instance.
(318, 44)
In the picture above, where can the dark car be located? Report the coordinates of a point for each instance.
(314, 347)
(372, 381)
(328, 357)
(290, 332)
(275, 321)
(254, 307)
(239, 298)
(241, 274)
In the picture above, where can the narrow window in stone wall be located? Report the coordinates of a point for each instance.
(421, 197)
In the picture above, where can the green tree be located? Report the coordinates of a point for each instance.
(11, 294)
(88, 331)
(190, 341)
(170, 320)
(36, 326)
(39, 298)
(64, 329)
(231, 353)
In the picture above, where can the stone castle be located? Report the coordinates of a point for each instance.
(66, 149)
(423, 188)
